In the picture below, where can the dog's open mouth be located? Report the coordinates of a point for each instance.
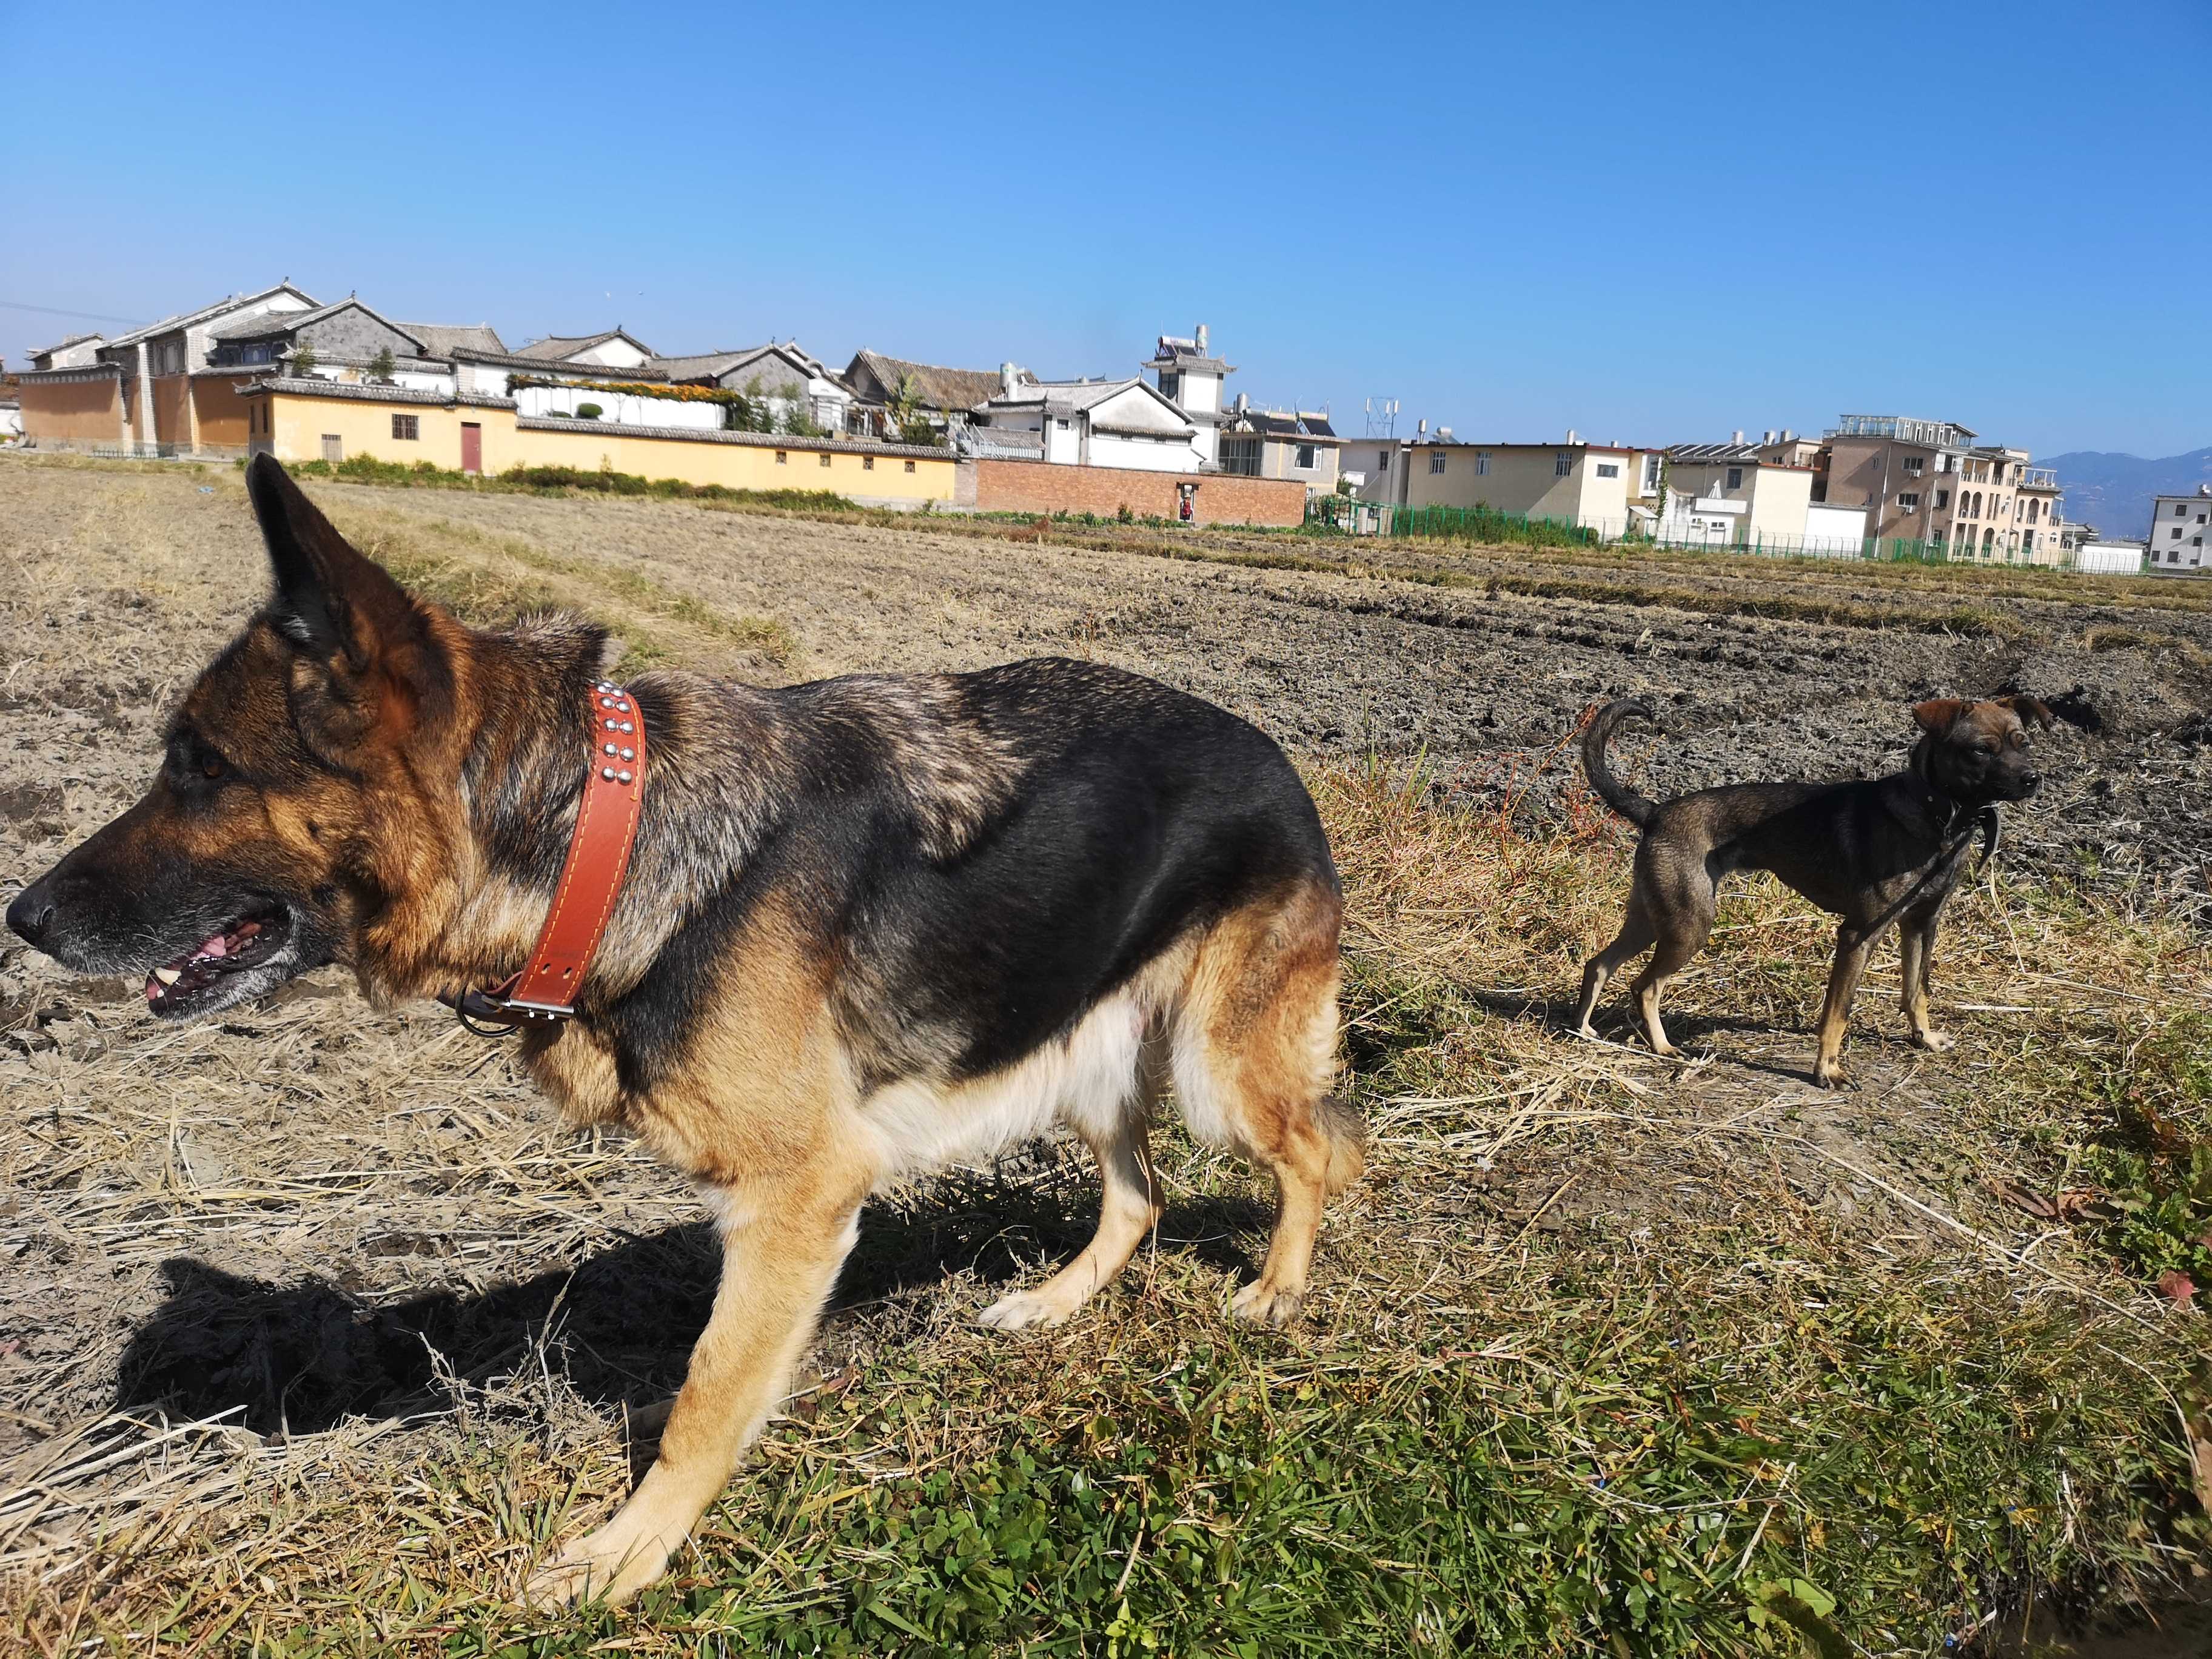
(208, 974)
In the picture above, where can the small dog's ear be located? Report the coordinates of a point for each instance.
(1936, 715)
(2029, 708)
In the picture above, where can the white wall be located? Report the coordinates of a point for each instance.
(11, 422)
(1834, 529)
(619, 408)
(1063, 438)
(2110, 558)
(611, 354)
(1145, 455)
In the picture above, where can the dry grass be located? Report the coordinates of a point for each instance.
(1606, 1355)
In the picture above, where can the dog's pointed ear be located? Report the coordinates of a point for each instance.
(1936, 715)
(2029, 708)
(382, 665)
(331, 602)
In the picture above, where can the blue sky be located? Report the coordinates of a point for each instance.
(1653, 226)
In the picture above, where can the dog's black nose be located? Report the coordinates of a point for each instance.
(31, 912)
(2030, 782)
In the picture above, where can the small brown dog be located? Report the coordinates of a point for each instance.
(1870, 852)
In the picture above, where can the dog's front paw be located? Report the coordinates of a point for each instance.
(607, 1566)
(1936, 1042)
(1023, 1309)
(1262, 1303)
(1830, 1077)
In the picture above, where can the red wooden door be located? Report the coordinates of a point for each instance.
(472, 446)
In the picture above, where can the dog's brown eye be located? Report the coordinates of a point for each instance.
(212, 768)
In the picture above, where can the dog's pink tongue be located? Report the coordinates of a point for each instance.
(216, 946)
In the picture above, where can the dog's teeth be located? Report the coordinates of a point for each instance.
(167, 975)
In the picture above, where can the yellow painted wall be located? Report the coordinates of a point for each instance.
(221, 413)
(297, 425)
(72, 412)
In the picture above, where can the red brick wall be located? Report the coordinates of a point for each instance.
(1042, 486)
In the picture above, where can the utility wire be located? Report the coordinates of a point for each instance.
(58, 310)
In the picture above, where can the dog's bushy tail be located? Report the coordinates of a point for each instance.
(1637, 809)
(1347, 1141)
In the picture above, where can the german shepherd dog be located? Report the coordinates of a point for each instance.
(870, 924)
(1869, 852)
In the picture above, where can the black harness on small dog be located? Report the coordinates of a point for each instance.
(1988, 820)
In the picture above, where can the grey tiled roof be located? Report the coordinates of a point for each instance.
(754, 440)
(554, 347)
(313, 387)
(268, 324)
(63, 345)
(185, 318)
(440, 340)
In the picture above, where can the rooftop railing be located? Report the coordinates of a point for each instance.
(2037, 478)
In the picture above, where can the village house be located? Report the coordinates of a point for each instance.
(613, 348)
(785, 380)
(1748, 495)
(943, 398)
(1188, 375)
(2178, 528)
(1266, 443)
(78, 351)
(1108, 424)
(1573, 482)
(1930, 481)
(149, 391)
(343, 341)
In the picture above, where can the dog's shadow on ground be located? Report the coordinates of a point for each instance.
(299, 1357)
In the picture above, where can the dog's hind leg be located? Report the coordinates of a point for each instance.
(1682, 910)
(1852, 952)
(1635, 936)
(1255, 1046)
(1916, 950)
(1128, 1210)
(783, 1238)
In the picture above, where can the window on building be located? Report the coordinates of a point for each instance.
(1609, 469)
(1482, 463)
(2177, 534)
(909, 466)
(1943, 499)
(1650, 473)
(1382, 460)
(1062, 425)
(782, 458)
(1909, 499)
(1913, 464)
(1305, 457)
(1171, 386)
(407, 428)
(1437, 465)
(1735, 478)
(867, 464)
(825, 458)
(1563, 463)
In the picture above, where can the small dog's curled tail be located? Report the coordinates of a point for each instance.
(1637, 809)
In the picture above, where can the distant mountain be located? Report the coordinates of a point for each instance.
(2114, 492)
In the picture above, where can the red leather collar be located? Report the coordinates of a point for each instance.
(545, 991)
